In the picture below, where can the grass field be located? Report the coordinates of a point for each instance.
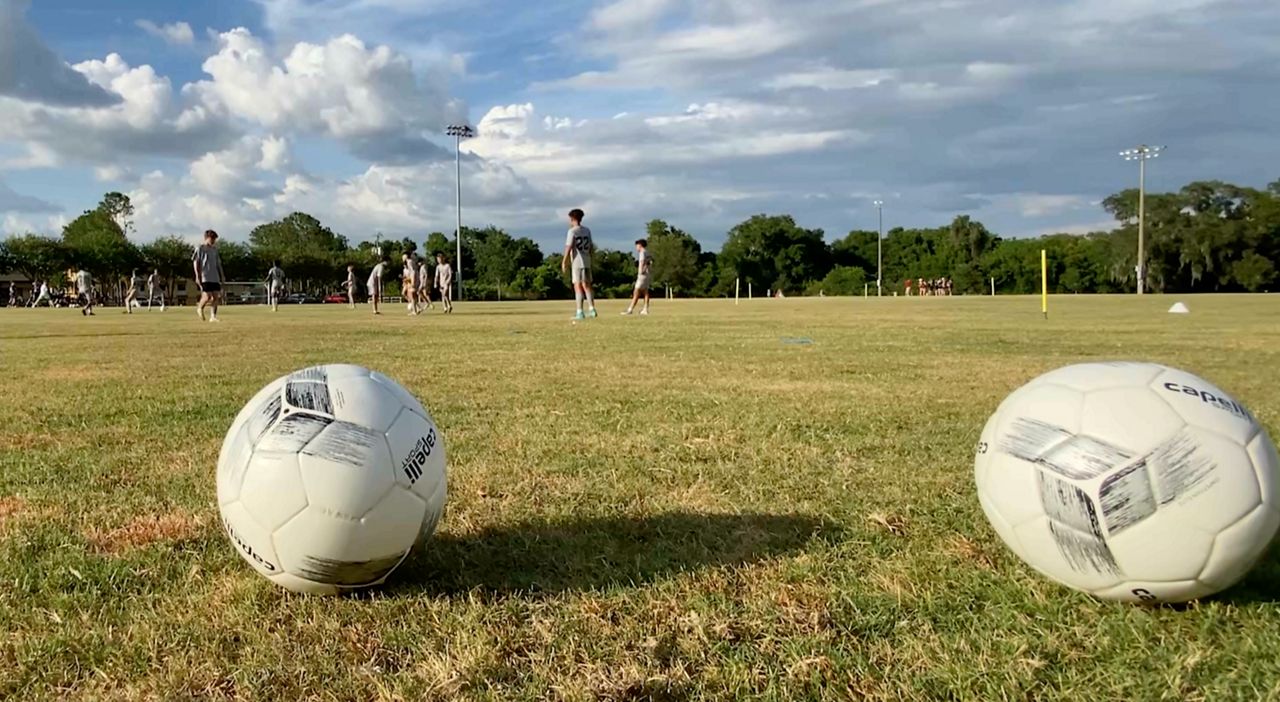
(685, 506)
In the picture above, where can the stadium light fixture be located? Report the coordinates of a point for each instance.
(1142, 153)
(879, 245)
(458, 132)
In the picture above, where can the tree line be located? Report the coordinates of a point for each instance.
(1207, 237)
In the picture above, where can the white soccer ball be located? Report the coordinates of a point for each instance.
(329, 477)
(1130, 481)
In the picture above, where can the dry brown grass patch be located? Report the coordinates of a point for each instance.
(172, 527)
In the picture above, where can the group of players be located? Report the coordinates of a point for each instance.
(926, 287)
(417, 292)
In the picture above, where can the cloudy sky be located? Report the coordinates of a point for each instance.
(227, 113)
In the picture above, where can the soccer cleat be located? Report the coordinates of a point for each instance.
(578, 316)
(591, 313)
(627, 313)
(644, 312)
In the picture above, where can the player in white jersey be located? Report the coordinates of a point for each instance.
(274, 285)
(375, 284)
(350, 285)
(154, 288)
(84, 288)
(13, 294)
(644, 267)
(578, 248)
(413, 283)
(444, 282)
(131, 294)
(43, 296)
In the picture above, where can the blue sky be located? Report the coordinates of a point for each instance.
(229, 113)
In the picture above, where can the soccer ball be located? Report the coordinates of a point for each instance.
(1130, 481)
(329, 477)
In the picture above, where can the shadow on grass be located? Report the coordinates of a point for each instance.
(599, 552)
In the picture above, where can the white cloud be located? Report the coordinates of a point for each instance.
(176, 33)
(370, 98)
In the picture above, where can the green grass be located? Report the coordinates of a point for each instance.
(673, 507)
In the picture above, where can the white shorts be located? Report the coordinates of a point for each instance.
(581, 276)
(642, 283)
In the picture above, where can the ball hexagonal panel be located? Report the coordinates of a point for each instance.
(237, 451)
(397, 390)
(272, 490)
(1266, 465)
(361, 400)
(251, 540)
(1204, 479)
(417, 452)
(346, 470)
(1161, 549)
(1128, 422)
(1091, 377)
(327, 550)
(1075, 558)
(1205, 405)
(1238, 547)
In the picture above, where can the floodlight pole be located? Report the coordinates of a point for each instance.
(459, 132)
(879, 245)
(1141, 154)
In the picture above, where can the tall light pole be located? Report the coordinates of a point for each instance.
(879, 245)
(459, 132)
(1142, 153)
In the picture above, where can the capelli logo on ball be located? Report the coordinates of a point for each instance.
(417, 458)
(1223, 403)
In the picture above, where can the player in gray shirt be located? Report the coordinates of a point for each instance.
(208, 269)
(644, 267)
(274, 285)
(578, 247)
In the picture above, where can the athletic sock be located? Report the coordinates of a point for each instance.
(591, 301)
(577, 296)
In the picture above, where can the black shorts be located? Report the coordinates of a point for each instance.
(211, 287)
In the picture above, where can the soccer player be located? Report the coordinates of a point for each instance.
(444, 282)
(84, 288)
(208, 269)
(578, 248)
(13, 295)
(351, 287)
(274, 285)
(424, 290)
(44, 295)
(154, 288)
(132, 293)
(413, 282)
(644, 263)
(375, 284)
(407, 291)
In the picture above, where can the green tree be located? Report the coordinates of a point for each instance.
(97, 243)
(675, 255)
(772, 252)
(309, 252)
(38, 257)
(119, 208)
(841, 280)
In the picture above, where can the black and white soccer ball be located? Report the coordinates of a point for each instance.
(1130, 481)
(329, 477)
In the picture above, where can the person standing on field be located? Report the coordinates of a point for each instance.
(351, 287)
(578, 248)
(132, 293)
(208, 269)
(444, 282)
(424, 290)
(375, 285)
(274, 285)
(154, 288)
(84, 288)
(413, 288)
(13, 295)
(44, 295)
(644, 265)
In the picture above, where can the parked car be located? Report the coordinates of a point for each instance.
(336, 298)
(299, 298)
